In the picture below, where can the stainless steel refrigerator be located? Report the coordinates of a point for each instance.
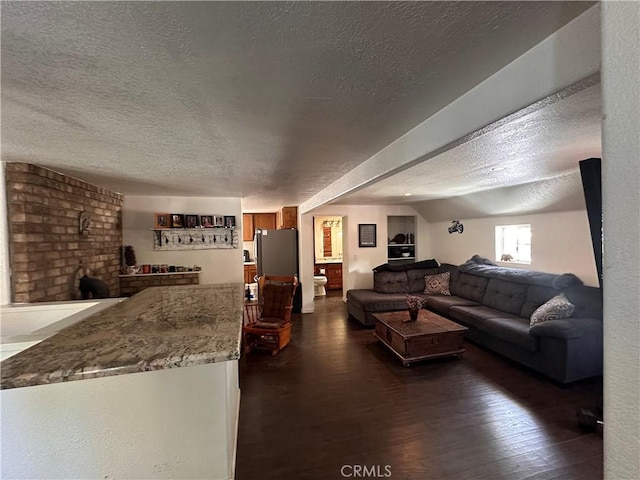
(276, 252)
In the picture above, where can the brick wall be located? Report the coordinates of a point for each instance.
(45, 245)
(132, 284)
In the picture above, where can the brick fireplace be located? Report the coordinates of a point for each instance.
(56, 224)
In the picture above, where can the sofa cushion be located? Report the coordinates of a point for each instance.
(439, 283)
(415, 278)
(476, 316)
(556, 308)
(588, 301)
(505, 296)
(467, 286)
(536, 295)
(390, 282)
(568, 328)
(373, 302)
(514, 330)
(442, 303)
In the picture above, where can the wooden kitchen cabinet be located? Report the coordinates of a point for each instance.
(288, 217)
(266, 221)
(247, 227)
(333, 272)
(253, 221)
(250, 272)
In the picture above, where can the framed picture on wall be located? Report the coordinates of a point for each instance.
(191, 221)
(218, 221)
(162, 220)
(230, 221)
(177, 220)
(206, 221)
(366, 235)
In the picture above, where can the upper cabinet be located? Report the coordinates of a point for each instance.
(265, 221)
(247, 227)
(253, 221)
(288, 217)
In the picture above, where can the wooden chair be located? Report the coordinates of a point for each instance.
(268, 322)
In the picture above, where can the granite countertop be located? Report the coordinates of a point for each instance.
(160, 327)
(328, 260)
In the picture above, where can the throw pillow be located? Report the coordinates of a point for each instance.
(438, 283)
(556, 308)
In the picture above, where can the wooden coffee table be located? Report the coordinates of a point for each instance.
(430, 336)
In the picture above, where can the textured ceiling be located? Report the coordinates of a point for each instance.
(544, 141)
(270, 101)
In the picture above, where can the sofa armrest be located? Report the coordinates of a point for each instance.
(567, 328)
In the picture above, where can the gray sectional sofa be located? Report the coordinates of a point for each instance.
(496, 304)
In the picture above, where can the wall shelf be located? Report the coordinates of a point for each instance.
(405, 227)
(194, 238)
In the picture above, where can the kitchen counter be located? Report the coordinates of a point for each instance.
(159, 328)
(249, 263)
(328, 260)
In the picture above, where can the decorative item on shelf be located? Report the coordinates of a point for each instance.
(177, 220)
(218, 221)
(399, 238)
(414, 304)
(230, 221)
(192, 239)
(206, 221)
(129, 263)
(162, 220)
(191, 221)
(456, 227)
(410, 238)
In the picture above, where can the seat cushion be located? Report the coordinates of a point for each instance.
(476, 316)
(266, 325)
(442, 303)
(514, 330)
(373, 302)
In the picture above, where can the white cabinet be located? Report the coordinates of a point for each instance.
(401, 247)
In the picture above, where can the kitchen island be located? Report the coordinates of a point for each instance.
(147, 388)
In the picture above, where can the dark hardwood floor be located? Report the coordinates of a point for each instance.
(335, 399)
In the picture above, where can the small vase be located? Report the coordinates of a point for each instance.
(413, 314)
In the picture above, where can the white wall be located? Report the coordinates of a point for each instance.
(164, 424)
(357, 262)
(5, 270)
(621, 208)
(561, 242)
(218, 265)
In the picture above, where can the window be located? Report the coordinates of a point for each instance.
(513, 243)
